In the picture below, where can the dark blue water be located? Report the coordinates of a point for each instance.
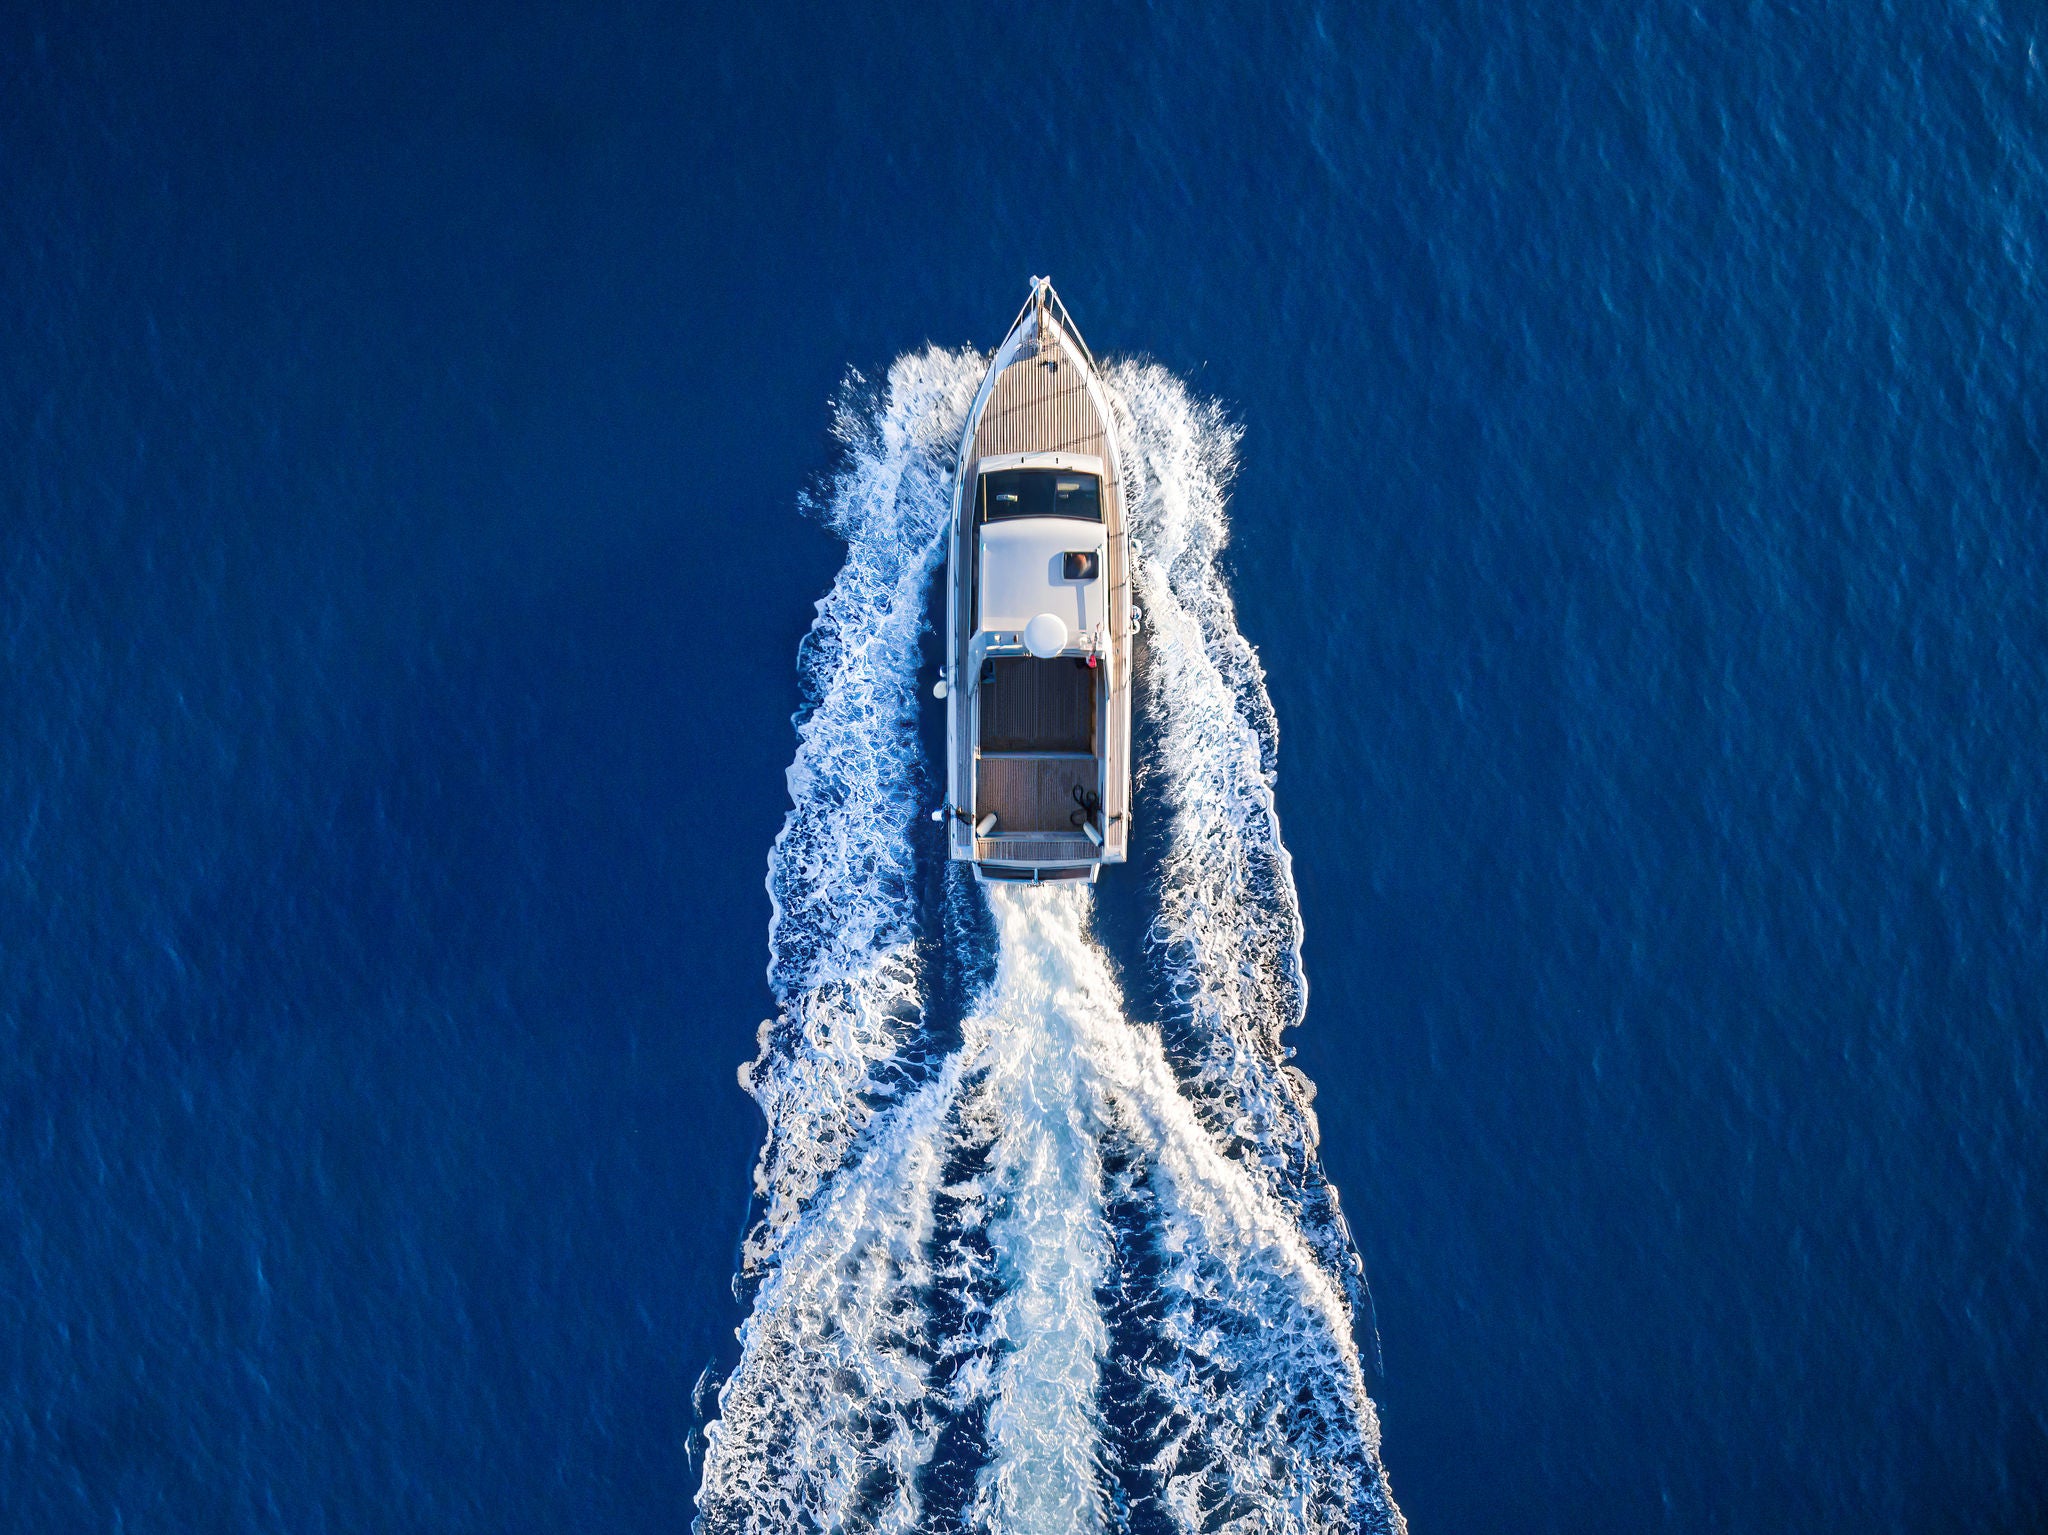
(402, 422)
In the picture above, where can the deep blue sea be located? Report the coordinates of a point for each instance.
(414, 429)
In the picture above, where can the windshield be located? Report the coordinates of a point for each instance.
(1040, 493)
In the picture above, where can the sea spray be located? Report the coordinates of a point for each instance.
(947, 1259)
(1040, 1109)
(1227, 929)
(1251, 1374)
(825, 1421)
(829, 1416)
(842, 937)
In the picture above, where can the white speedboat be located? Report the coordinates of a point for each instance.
(1038, 616)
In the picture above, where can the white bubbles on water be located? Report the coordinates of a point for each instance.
(1255, 1415)
(1065, 1282)
(1039, 1108)
(1227, 931)
(842, 936)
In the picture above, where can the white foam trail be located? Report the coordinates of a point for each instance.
(826, 1420)
(1228, 935)
(1040, 1110)
(841, 937)
(1228, 927)
(829, 1417)
(1253, 1375)
(1208, 1227)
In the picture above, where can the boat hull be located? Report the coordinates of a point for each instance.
(1038, 740)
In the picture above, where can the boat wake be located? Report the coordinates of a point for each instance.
(1027, 1271)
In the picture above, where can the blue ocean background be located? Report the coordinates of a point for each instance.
(403, 424)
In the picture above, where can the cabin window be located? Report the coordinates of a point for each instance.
(1009, 493)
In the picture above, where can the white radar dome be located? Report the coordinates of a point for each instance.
(1045, 636)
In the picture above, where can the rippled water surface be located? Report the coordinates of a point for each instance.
(423, 441)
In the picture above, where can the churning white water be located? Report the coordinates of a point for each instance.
(1058, 1282)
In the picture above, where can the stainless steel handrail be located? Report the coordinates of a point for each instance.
(1042, 289)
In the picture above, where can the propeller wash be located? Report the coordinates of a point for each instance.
(1020, 1270)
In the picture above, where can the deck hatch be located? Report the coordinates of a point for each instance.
(1029, 705)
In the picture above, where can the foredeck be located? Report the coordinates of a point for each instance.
(1039, 409)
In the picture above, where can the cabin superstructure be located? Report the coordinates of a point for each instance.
(1039, 616)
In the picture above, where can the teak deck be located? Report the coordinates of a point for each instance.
(1030, 705)
(1036, 409)
(1034, 794)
